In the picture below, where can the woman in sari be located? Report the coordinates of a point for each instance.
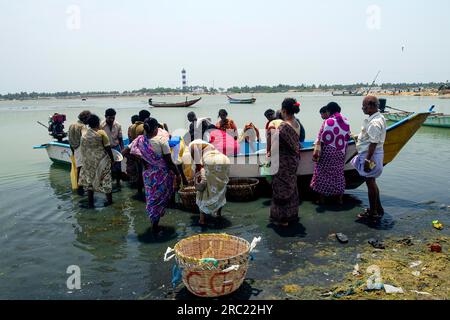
(329, 154)
(97, 155)
(211, 178)
(159, 170)
(285, 157)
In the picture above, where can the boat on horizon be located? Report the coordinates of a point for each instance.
(250, 164)
(348, 93)
(185, 104)
(241, 101)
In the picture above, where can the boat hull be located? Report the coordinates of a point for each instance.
(438, 121)
(241, 101)
(175, 105)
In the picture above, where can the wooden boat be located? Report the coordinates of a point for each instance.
(348, 94)
(248, 165)
(438, 120)
(241, 101)
(185, 104)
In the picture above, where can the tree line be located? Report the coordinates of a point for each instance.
(235, 89)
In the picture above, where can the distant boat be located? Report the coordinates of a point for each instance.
(438, 120)
(242, 101)
(185, 104)
(348, 93)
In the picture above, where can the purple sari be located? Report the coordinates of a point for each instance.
(328, 178)
(158, 179)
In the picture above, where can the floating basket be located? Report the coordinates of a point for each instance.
(242, 189)
(188, 198)
(213, 265)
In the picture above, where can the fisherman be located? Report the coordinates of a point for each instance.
(226, 124)
(250, 136)
(192, 118)
(76, 130)
(114, 131)
(134, 119)
(137, 128)
(369, 161)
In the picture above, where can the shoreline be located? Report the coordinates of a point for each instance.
(379, 94)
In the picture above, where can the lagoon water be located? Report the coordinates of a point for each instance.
(43, 230)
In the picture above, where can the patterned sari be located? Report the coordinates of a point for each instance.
(95, 174)
(158, 179)
(328, 178)
(285, 199)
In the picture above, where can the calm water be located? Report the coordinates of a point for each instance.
(43, 230)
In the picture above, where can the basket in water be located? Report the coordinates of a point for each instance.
(242, 189)
(213, 265)
(188, 197)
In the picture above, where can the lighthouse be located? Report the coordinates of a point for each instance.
(183, 80)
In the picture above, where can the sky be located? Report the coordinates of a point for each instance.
(103, 45)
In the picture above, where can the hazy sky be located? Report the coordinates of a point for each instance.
(123, 45)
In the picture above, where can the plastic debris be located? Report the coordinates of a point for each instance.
(415, 264)
(421, 292)
(391, 289)
(377, 244)
(342, 238)
(374, 286)
(341, 294)
(356, 270)
(176, 275)
(416, 273)
(437, 225)
(436, 247)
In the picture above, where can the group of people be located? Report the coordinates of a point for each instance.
(156, 169)
(330, 149)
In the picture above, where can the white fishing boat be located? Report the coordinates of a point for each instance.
(250, 164)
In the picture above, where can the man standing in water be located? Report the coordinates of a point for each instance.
(114, 131)
(369, 161)
(76, 130)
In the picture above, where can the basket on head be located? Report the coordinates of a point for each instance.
(188, 198)
(213, 265)
(242, 189)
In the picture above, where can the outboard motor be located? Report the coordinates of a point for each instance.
(56, 126)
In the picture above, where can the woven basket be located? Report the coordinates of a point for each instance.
(188, 198)
(242, 189)
(213, 265)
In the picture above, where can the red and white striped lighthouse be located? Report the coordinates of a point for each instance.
(183, 80)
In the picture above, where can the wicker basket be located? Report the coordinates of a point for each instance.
(188, 198)
(213, 265)
(242, 189)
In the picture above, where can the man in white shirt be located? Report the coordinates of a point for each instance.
(114, 131)
(369, 161)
